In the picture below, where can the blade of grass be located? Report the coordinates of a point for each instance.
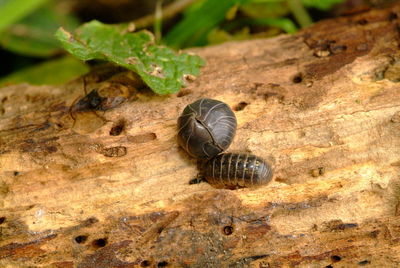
(13, 10)
(193, 29)
(158, 21)
(299, 12)
(321, 4)
(169, 11)
(283, 23)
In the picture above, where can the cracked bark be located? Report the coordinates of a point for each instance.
(105, 185)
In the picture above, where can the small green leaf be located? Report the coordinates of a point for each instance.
(161, 69)
(54, 72)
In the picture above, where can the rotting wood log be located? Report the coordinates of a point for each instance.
(83, 185)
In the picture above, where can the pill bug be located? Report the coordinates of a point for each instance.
(231, 170)
(206, 127)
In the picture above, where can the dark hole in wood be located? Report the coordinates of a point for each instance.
(183, 92)
(365, 262)
(91, 220)
(99, 243)
(335, 258)
(2, 220)
(337, 49)
(374, 234)
(116, 130)
(16, 173)
(240, 106)
(298, 78)
(228, 230)
(162, 264)
(329, 266)
(145, 263)
(81, 239)
(362, 21)
(392, 16)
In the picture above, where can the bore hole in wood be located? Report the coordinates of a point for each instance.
(99, 243)
(81, 239)
(338, 49)
(118, 128)
(16, 173)
(365, 262)
(145, 263)
(228, 230)
(393, 16)
(240, 106)
(298, 78)
(162, 264)
(362, 21)
(329, 266)
(335, 258)
(183, 92)
(2, 220)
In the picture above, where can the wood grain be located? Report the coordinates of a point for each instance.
(81, 187)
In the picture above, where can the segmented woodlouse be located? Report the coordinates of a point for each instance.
(232, 170)
(206, 128)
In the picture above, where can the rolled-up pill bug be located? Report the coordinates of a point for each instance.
(232, 170)
(206, 128)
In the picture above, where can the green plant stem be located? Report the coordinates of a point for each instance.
(169, 11)
(300, 13)
(158, 21)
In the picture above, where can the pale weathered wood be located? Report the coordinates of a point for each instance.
(323, 106)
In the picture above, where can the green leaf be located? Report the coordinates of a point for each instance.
(161, 69)
(321, 4)
(14, 10)
(53, 72)
(197, 23)
(34, 35)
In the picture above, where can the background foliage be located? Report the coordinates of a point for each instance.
(33, 54)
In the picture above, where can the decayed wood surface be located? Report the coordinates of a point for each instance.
(322, 106)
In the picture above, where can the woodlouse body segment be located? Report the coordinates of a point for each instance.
(206, 128)
(232, 170)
